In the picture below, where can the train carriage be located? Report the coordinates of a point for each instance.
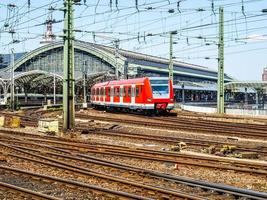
(141, 94)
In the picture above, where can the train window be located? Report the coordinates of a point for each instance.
(97, 91)
(108, 91)
(129, 91)
(117, 92)
(137, 91)
(101, 91)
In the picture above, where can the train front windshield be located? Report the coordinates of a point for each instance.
(160, 88)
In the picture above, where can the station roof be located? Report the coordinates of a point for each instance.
(235, 86)
(257, 85)
(135, 60)
(154, 63)
(36, 78)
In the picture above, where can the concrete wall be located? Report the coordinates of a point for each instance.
(198, 109)
(247, 112)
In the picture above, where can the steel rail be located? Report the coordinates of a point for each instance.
(167, 156)
(172, 157)
(174, 139)
(183, 127)
(182, 119)
(205, 185)
(75, 183)
(111, 148)
(31, 193)
(78, 169)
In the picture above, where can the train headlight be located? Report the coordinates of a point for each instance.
(171, 99)
(149, 100)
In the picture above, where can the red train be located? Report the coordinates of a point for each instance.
(147, 94)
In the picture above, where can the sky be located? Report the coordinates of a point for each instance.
(145, 28)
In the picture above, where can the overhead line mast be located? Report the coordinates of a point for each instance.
(171, 59)
(171, 55)
(68, 80)
(220, 81)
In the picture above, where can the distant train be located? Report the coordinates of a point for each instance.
(148, 94)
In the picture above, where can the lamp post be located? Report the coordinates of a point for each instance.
(17, 99)
(54, 91)
(84, 81)
(12, 80)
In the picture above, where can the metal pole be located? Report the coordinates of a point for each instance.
(246, 96)
(54, 88)
(220, 81)
(68, 81)
(116, 59)
(84, 83)
(17, 101)
(171, 61)
(54, 81)
(183, 97)
(12, 80)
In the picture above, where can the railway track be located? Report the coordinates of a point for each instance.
(173, 140)
(74, 184)
(200, 120)
(23, 193)
(75, 148)
(207, 186)
(182, 127)
(155, 191)
(180, 123)
(160, 156)
(225, 125)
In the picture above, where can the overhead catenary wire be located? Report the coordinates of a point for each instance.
(145, 28)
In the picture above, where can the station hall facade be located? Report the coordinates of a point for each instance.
(40, 71)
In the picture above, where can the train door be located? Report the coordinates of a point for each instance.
(116, 94)
(104, 95)
(121, 94)
(127, 94)
(138, 94)
(132, 96)
(107, 94)
(97, 94)
(101, 94)
(111, 94)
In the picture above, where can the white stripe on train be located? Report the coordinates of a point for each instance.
(130, 105)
